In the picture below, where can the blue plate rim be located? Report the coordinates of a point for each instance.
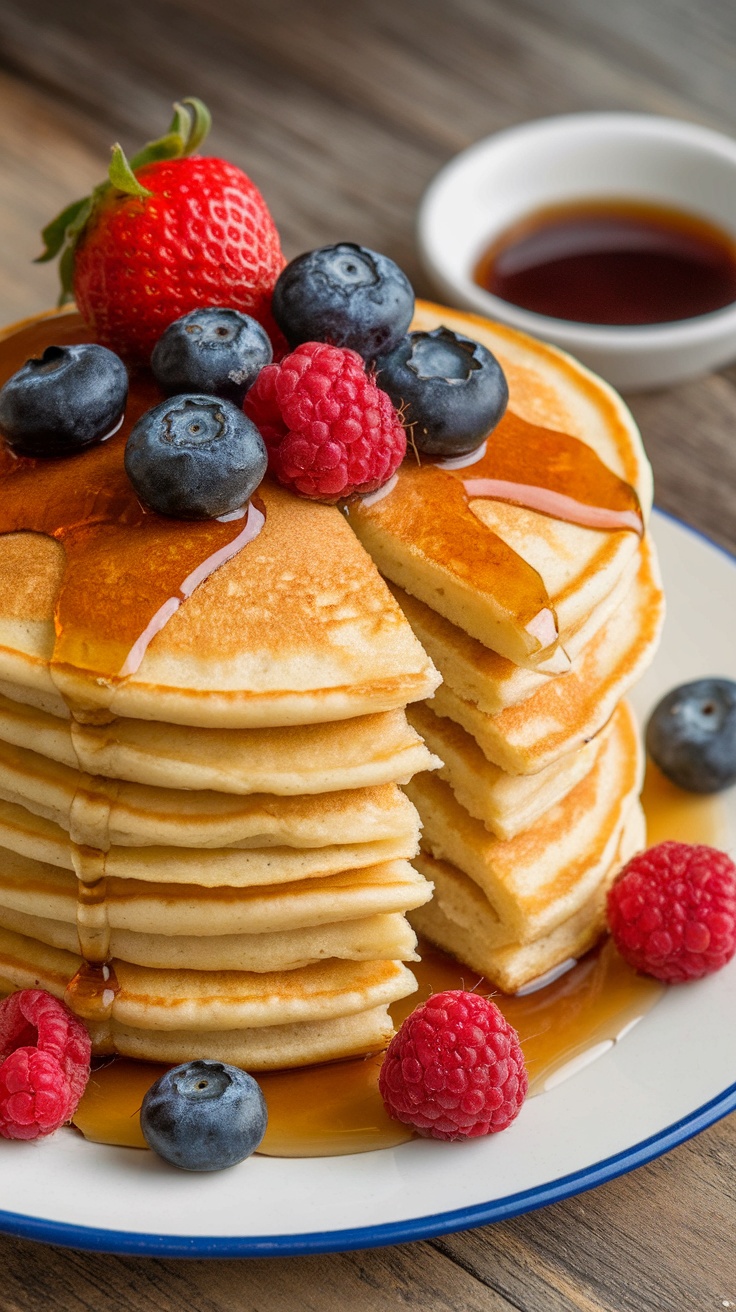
(92, 1239)
(126, 1242)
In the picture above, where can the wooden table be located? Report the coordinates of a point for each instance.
(342, 112)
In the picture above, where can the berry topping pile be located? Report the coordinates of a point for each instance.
(329, 430)
(451, 391)
(346, 295)
(175, 262)
(195, 457)
(213, 350)
(70, 398)
(168, 232)
(455, 1069)
(204, 1116)
(44, 1064)
(691, 735)
(672, 911)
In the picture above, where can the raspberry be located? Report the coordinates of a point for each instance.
(672, 911)
(455, 1070)
(330, 431)
(44, 1064)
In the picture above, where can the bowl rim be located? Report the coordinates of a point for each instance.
(699, 329)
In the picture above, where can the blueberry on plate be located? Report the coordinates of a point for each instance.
(195, 457)
(346, 295)
(204, 1116)
(450, 391)
(691, 735)
(213, 350)
(68, 399)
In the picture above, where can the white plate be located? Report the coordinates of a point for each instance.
(634, 1103)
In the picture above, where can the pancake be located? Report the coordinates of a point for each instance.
(31, 836)
(296, 628)
(570, 709)
(296, 760)
(375, 938)
(422, 542)
(212, 1000)
(270, 1048)
(100, 812)
(506, 803)
(461, 920)
(480, 675)
(544, 875)
(37, 890)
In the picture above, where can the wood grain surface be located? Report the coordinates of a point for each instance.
(342, 112)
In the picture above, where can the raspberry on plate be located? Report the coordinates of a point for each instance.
(455, 1070)
(44, 1064)
(329, 430)
(672, 911)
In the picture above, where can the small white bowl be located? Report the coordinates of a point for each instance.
(505, 177)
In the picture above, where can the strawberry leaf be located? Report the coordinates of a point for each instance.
(54, 235)
(122, 176)
(179, 126)
(200, 123)
(169, 147)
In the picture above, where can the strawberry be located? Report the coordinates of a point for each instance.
(168, 232)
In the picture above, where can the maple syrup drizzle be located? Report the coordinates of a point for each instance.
(126, 569)
(432, 504)
(126, 572)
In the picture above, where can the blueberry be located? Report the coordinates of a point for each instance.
(450, 391)
(691, 735)
(214, 350)
(346, 295)
(70, 398)
(195, 457)
(204, 1115)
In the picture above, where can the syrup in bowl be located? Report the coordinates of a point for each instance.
(612, 262)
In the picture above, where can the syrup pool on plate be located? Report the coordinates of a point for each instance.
(323, 1111)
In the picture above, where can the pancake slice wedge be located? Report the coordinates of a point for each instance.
(461, 921)
(480, 675)
(569, 710)
(541, 877)
(507, 804)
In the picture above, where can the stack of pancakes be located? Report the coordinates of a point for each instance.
(536, 806)
(223, 832)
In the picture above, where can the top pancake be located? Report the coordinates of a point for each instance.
(297, 628)
(578, 566)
